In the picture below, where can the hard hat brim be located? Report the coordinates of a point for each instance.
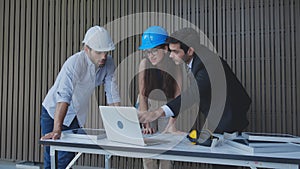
(144, 47)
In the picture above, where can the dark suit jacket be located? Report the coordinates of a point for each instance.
(234, 117)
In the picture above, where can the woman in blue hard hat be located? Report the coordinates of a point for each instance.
(159, 81)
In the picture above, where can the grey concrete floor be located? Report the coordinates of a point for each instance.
(6, 164)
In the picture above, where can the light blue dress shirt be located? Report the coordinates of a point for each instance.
(76, 83)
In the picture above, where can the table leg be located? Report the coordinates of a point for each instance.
(107, 161)
(53, 157)
(73, 160)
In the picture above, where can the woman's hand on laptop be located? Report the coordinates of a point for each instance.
(147, 129)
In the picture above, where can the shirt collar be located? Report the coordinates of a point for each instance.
(191, 63)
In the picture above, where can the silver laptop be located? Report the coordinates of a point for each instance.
(122, 125)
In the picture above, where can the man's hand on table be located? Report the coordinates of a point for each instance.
(52, 135)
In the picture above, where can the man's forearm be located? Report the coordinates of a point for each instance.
(145, 117)
(59, 116)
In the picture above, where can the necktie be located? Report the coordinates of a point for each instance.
(188, 75)
(188, 69)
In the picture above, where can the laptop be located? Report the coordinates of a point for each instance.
(122, 125)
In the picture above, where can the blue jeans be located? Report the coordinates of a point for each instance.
(63, 157)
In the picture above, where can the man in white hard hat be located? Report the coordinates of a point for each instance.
(66, 104)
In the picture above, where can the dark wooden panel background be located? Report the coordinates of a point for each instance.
(257, 38)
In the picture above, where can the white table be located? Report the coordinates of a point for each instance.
(177, 149)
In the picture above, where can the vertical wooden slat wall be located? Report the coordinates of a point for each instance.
(257, 38)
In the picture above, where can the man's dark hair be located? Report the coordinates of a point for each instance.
(187, 37)
(183, 46)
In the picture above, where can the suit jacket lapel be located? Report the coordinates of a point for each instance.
(197, 65)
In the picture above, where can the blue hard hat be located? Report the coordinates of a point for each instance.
(153, 36)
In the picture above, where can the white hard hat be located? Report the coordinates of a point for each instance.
(98, 39)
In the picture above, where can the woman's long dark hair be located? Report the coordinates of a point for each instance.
(158, 79)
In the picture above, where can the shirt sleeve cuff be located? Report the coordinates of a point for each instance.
(63, 98)
(167, 110)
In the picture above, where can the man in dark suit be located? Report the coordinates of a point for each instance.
(221, 97)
